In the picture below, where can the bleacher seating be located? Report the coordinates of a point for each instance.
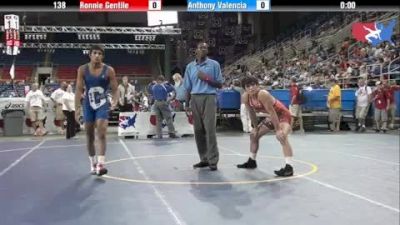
(8, 90)
(225, 36)
(68, 57)
(26, 57)
(67, 73)
(21, 72)
(121, 57)
(132, 70)
(318, 55)
(68, 61)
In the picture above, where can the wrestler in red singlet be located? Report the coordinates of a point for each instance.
(280, 109)
(278, 119)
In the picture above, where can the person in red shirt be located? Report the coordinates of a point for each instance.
(390, 90)
(381, 102)
(294, 107)
(278, 118)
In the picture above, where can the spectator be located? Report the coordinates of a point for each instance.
(68, 107)
(334, 104)
(136, 99)
(244, 114)
(149, 92)
(35, 105)
(126, 93)
(56, 97)
(160, 92)
(180, 92)
(382, 103)
(145, 101)
(390, 90)
(294, 107)
(363, 99)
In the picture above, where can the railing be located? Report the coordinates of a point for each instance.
(371, 16)
(335, 56)
(395, 75)
(373, 66)
(392, 71)
(349, 50)
(271, 44)
(346, 82)
(306, 33)
(390, 64)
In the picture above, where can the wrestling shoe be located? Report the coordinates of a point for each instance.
(200, 165)
(250, 164)
(101, 170)
(287, 171)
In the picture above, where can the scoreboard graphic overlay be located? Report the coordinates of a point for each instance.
(195, 5)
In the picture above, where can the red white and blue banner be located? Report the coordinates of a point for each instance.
(144, 123)
(374, 33)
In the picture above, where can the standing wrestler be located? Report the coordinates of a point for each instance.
(279, 118)
(96, 77)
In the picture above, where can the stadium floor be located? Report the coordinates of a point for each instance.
(341, 178)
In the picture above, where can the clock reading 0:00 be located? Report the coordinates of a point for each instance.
(347, 5)
(59, 5)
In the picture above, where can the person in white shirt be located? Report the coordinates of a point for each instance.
(244, 113)
(68, 107)
(58, 105)
(363, 72)
(145, 102)
(126, 94)
(349, 70)
(180, 92)
(35, 105)
(363, 98)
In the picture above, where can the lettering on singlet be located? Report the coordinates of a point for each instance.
(97, 97)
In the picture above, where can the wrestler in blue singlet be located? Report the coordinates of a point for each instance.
(96, 104)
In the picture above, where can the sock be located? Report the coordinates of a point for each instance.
(253, 156)
(288, 160)
(92, 160)
(101, 159)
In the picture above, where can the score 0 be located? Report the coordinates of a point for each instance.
(263, 5)
(155, 5)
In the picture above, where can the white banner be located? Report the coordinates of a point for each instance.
(144, 123)
(12, 71)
